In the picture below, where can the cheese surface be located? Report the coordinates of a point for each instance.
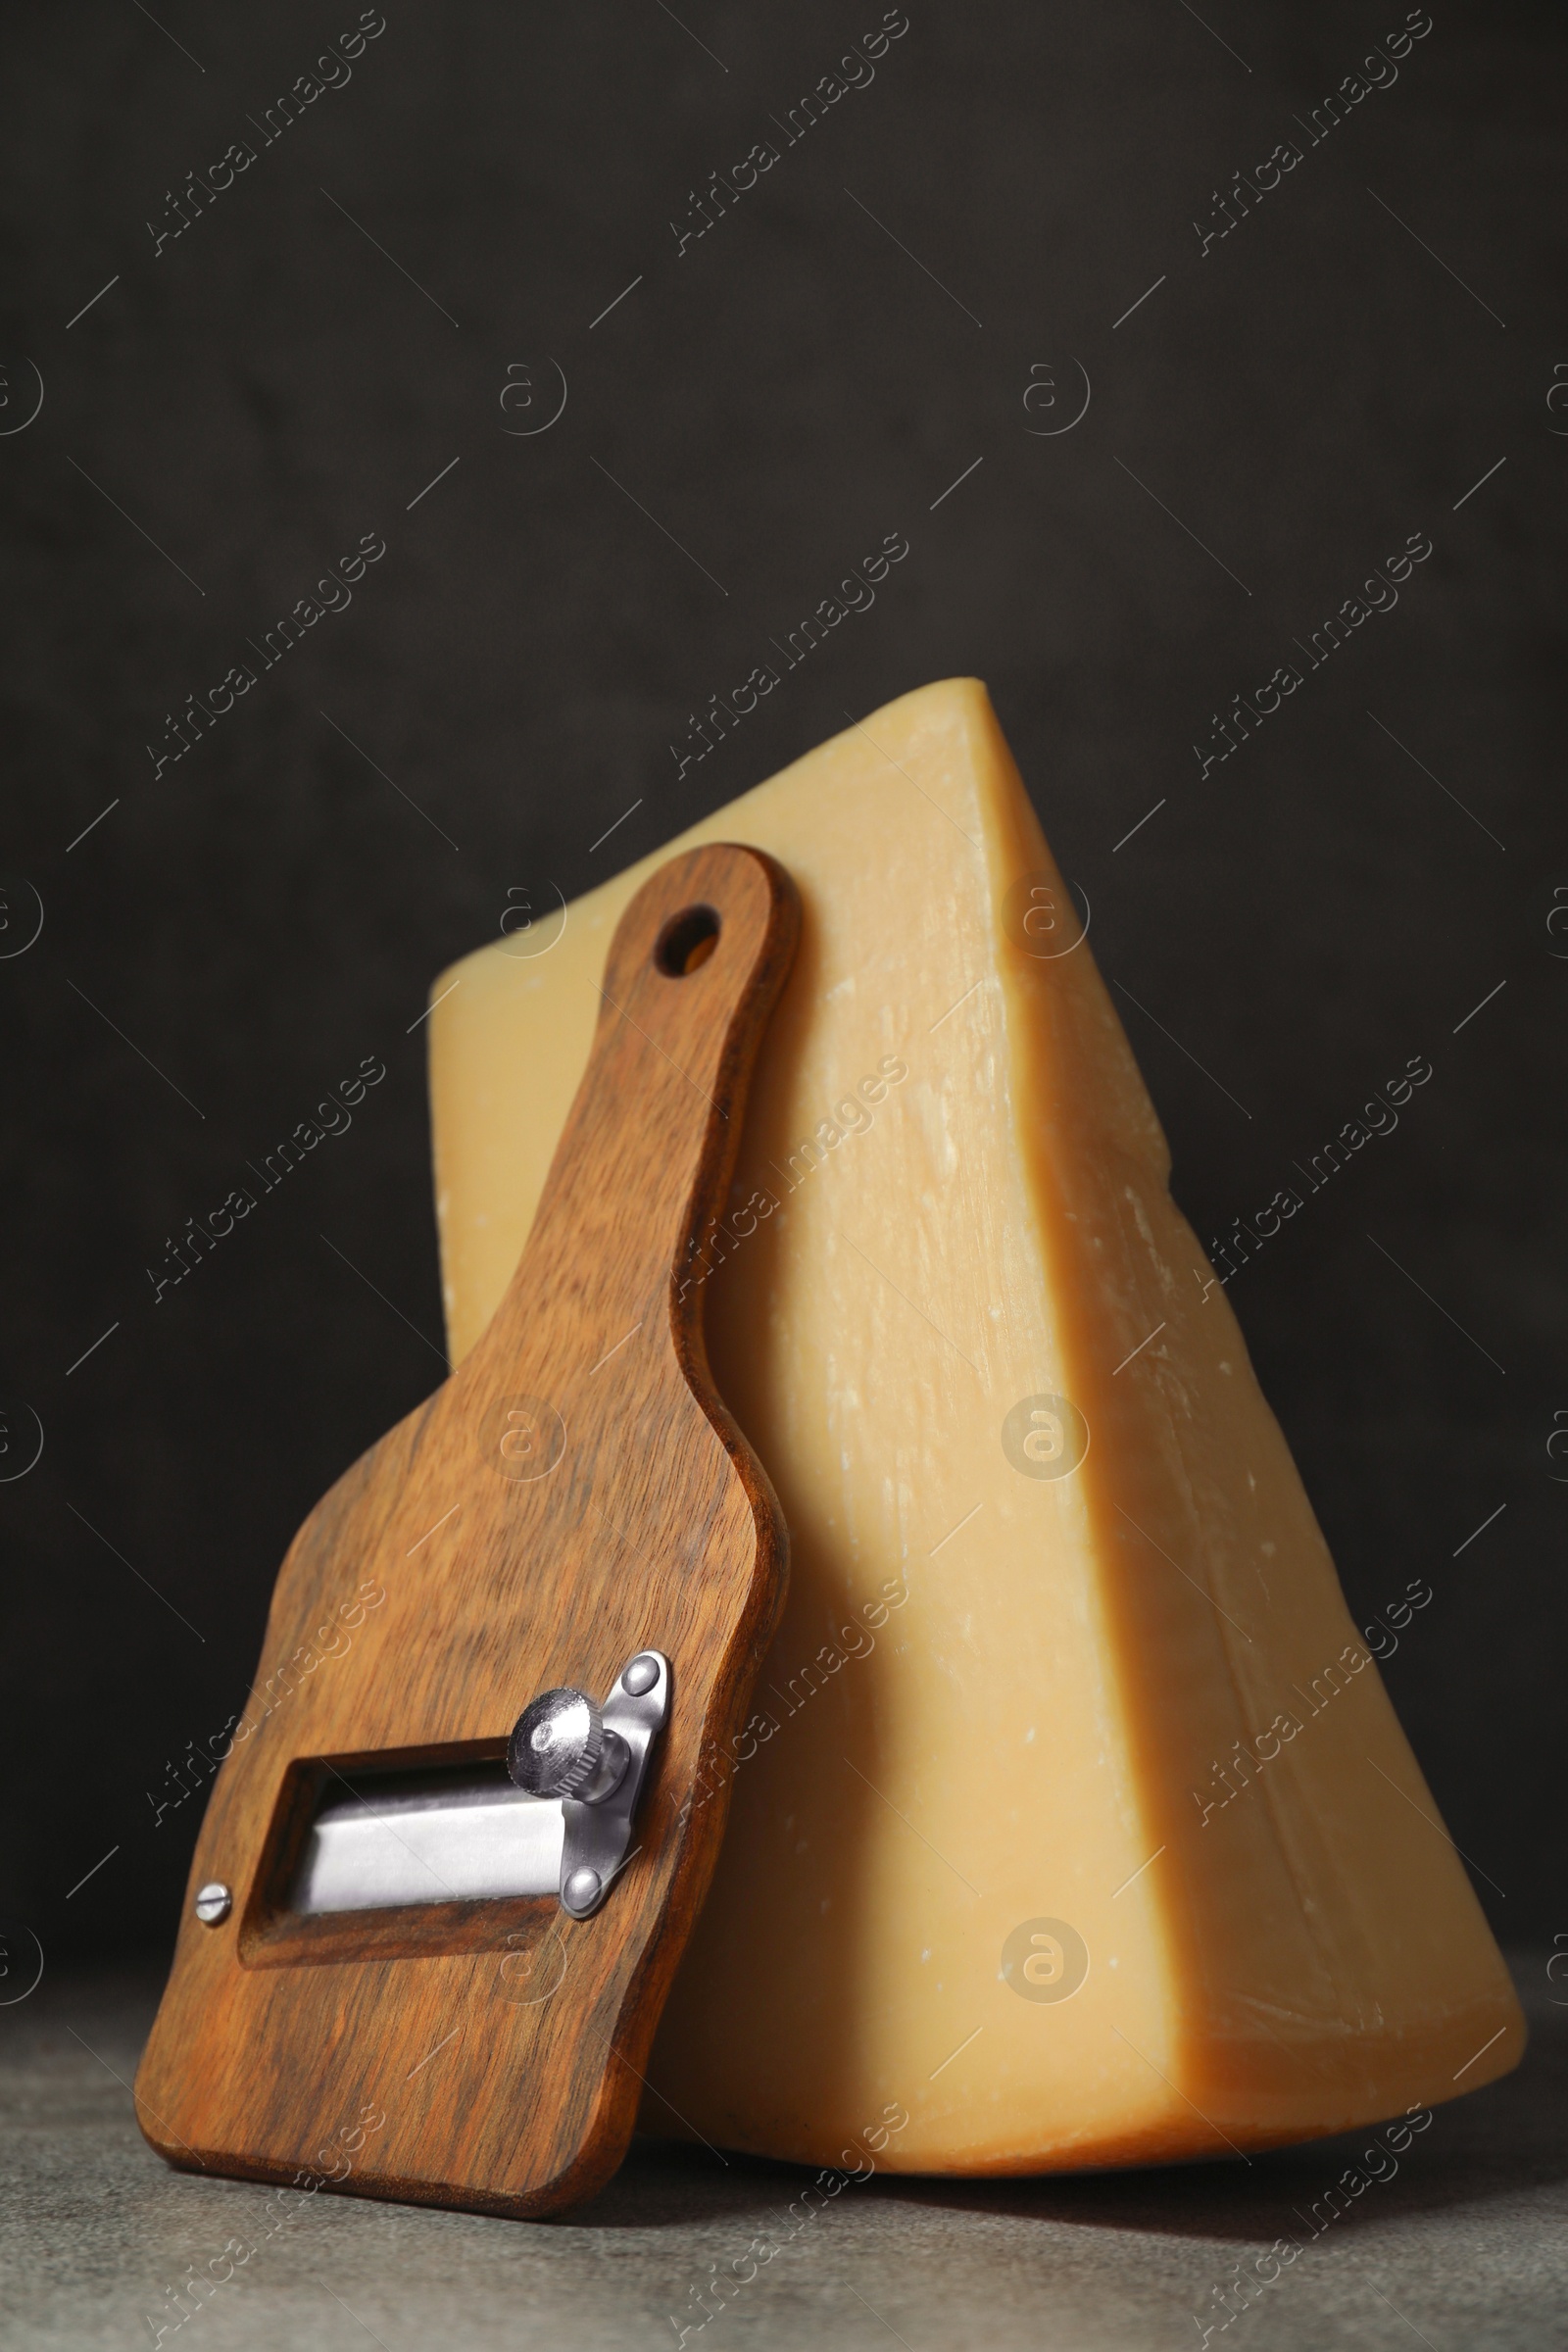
(1074, 1825)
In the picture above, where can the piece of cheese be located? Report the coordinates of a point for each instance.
(1074, 1826)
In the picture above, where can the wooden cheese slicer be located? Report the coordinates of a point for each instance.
(441, 1880)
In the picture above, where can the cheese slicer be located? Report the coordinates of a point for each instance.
(447, 1873)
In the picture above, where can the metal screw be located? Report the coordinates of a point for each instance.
(213, 1903)
(640, 1676)
(561, 1747)
(581, 1890)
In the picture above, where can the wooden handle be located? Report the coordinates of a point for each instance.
(574, 1493)
(646, 1154)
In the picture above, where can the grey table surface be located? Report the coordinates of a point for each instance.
(1463, 2247)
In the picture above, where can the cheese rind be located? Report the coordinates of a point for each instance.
(1073, 1821)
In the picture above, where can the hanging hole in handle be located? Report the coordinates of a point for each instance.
(687, 941)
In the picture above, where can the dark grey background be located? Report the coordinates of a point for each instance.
(270, 910)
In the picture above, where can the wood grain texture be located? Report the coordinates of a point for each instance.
(504, 2042)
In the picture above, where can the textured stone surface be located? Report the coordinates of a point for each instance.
(1464, 2245)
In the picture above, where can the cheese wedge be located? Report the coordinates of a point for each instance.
(1073, 1826)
